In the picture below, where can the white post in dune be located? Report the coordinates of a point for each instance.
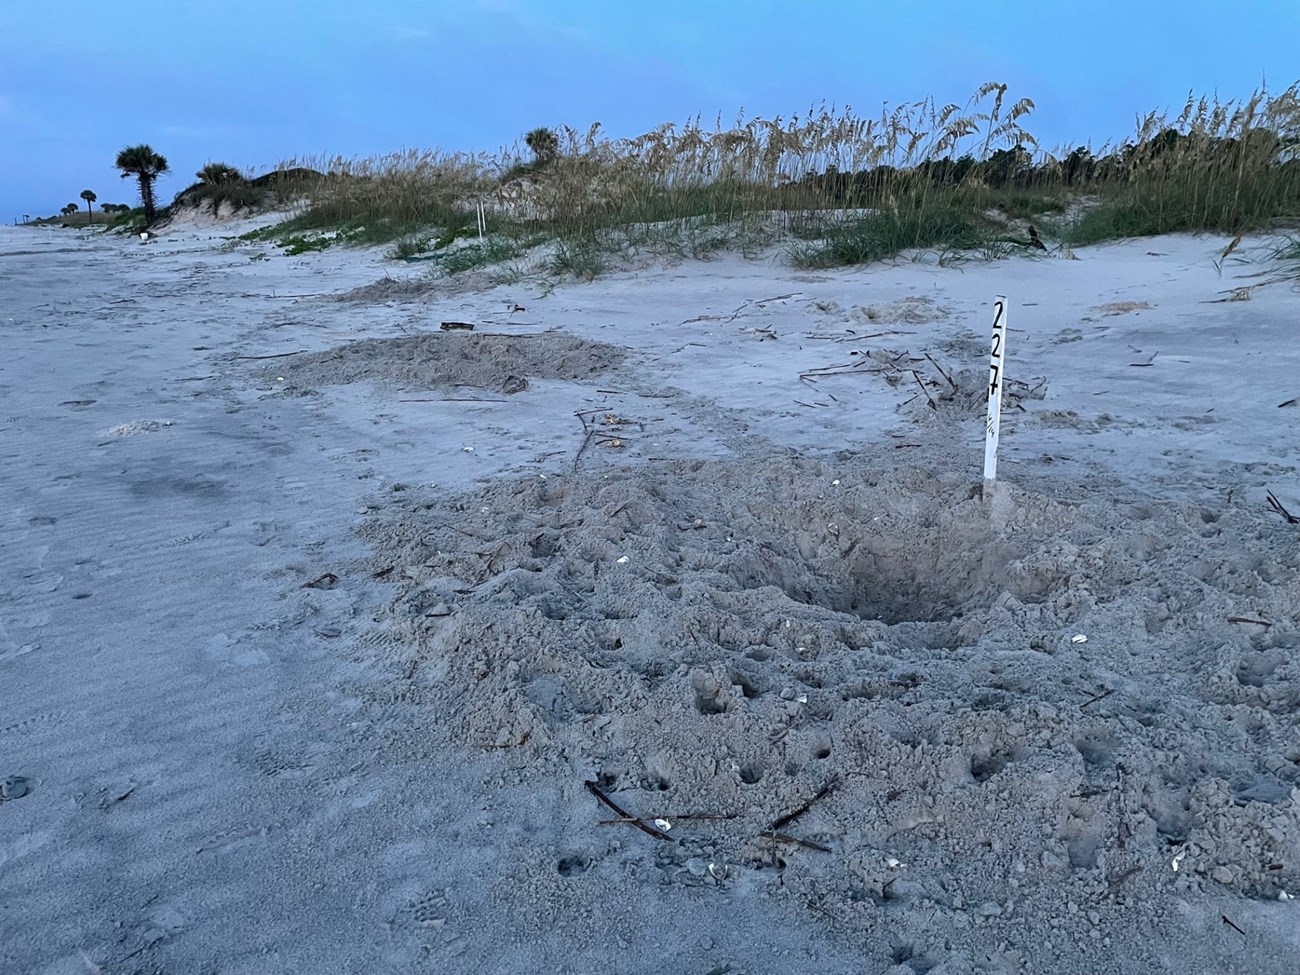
(997, 378)
(482, 222)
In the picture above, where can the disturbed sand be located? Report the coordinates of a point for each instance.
(316, 621)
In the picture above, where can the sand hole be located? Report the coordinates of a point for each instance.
(654, 782)
(573, 865)
(925, 567)
(751, 773)
(985, 765)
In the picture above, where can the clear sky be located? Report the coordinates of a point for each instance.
(253, 82)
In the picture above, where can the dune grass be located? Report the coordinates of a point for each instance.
(835, 187)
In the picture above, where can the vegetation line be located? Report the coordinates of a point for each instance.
(835, 187)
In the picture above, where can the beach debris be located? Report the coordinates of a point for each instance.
(1247, 619)
(1079, 638)
(453, 399)
(933, 404)
(468, 450)
(1276, 506)
(1177, 862)
(278, 355)
(1291, 402)
(1282, 895)
(796, 841)
(776, 831)
(1098, 697)
(664, 823)
(327, 580)
(759, 303)
(456, 327)
(1121, 307)
(621, 560)
(628, 817)
(1231, 925)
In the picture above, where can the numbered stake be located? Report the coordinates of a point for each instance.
(997, 378)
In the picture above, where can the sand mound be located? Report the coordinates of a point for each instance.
(487, 360)
(734, 638)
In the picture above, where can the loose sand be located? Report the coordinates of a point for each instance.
(316, 620)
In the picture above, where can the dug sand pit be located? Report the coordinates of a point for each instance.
(996, 727)
(446, 359)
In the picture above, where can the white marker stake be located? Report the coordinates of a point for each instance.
(997, 360)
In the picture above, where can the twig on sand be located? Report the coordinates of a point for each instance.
(1099, 697)
(790, 817)
(1276, 505)
(844, 370)
(796, 841)
(1247, 619)
(278, 355)
(620, 811)
(951, 382)
(736, 314)
(919, 382)
(1224, 917)
(453, 399)
(688, 817)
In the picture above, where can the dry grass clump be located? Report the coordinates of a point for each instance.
(1218, 166)
(843, 188)
(379, 199)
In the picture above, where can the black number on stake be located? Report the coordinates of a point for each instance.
(997, 347)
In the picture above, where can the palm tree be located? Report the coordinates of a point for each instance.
(89, 197)
(214, 173)
(146, 166)
(544, 143)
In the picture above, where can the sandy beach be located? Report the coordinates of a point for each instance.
(323, 630)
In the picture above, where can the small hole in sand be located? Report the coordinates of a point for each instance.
(573, 865)
(751, 773)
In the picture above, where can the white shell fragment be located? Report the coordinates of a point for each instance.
(621, 560)
(1078, 638)
(718, 871)
(663, 824)
(1178, 860)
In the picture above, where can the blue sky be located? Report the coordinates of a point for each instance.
(253, 83)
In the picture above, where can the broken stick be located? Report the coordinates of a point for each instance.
(620, 811)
